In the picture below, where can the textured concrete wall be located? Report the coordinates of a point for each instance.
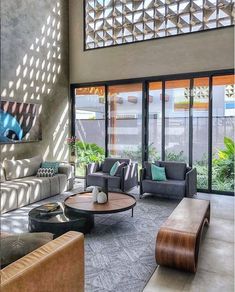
(34, 55)
(187, 53)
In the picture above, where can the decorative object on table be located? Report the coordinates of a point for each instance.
(95, 193)
(20, 122)
(51, 164)
(102, 198)
(45, 172)
(50, 207)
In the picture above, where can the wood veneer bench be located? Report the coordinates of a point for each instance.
(178, 239)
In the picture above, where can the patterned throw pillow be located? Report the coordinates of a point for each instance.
(48, 164)
(46, 172)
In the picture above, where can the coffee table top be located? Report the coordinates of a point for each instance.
(117, 202)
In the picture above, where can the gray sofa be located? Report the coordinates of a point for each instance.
(181, 180)
(123, 181)
(20, 186)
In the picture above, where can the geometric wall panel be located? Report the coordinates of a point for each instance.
(114, 22)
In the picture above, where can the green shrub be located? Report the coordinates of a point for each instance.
(88, 152)
(172, 156)
(223, 167)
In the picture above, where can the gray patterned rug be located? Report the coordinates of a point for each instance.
(120, 250)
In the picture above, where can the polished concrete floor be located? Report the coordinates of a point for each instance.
(216, 259)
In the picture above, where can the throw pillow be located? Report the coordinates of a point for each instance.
(46, 172)
(119, 169)
(114, 168)
(54, 164)
(16, 246)
(158, 173)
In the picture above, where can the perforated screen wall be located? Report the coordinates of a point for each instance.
(114, 22)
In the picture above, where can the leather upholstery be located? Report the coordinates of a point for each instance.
(57, 266)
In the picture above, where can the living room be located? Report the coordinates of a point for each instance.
(120, 116)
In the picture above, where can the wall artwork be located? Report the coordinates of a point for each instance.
(20, 122)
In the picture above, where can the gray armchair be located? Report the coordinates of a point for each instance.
(125, 179)
(181, 180)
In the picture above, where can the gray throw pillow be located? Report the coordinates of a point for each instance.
(14, 247)
(119, 169)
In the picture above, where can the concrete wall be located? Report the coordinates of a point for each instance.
(35, 69)
(196, 52)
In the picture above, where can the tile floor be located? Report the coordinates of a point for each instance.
(216, 258)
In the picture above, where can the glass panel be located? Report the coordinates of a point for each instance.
(223, 133)
(200, 130)
(177, 120)
(155, 121)
(89, 125)
(125, 121)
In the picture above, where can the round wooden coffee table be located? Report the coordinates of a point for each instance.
(117, 202)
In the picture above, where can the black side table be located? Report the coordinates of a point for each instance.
(60, 221)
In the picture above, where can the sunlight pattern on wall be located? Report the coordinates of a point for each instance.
(35, 82)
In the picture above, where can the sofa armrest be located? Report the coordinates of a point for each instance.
(142, 174)
(129, 177)
(142, 177)
(56, 266)
(66, 169)
(191, 182)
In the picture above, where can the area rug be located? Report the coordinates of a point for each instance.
(120, 250)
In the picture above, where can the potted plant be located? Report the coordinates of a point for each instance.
(72, 152)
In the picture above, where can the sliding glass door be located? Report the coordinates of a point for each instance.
(223, 112)
(200, 124)
(89, 123)
(155, 121)
(177, 100)
(125, 121)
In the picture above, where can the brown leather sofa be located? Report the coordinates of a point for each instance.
(56, 266)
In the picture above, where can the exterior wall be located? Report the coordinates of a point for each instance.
(211, 50)
(34, 69)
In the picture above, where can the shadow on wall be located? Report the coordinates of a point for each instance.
(37, 80)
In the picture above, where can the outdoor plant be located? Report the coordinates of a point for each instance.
(223, 166)
(172, 156)
(88, 152)
(71, 144)
(136, 155)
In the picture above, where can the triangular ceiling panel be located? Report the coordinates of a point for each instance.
(111, 22)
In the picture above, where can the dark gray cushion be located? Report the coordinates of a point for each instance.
(119, 169)
(175, 188)
(174, 170)
(14, 247)
(109, 162)
(97, 179)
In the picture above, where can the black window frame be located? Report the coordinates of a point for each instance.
(145, 112)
